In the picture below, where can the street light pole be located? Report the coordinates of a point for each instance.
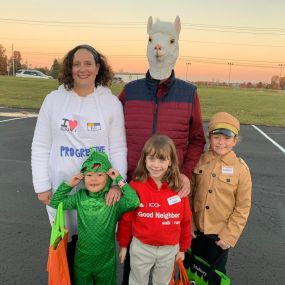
(230, 64)
(281, 66)
(13, 60)
(187, 66)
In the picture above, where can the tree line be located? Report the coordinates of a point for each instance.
(7, 65)
(6, 68)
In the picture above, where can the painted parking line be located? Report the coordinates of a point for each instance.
(16, 116)
(7, 120)
(270, 139)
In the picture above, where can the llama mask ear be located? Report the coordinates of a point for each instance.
(177, 25)
(149, 24)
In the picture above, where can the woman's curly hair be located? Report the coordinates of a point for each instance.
(105, 73)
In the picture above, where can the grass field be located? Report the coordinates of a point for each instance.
(251, 106)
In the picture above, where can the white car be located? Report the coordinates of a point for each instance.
(118, 80)
(31, 73)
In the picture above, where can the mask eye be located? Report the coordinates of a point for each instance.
(172, 41)
(149, 40)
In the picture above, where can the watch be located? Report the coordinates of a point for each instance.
(122, 183)
(119, 180)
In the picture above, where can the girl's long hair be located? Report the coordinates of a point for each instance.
(161, 147)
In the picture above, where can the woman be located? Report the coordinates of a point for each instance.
(81, 114)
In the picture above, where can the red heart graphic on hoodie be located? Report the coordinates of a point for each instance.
(72, 124)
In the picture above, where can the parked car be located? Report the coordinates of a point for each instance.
(31, 73)
(118, 80)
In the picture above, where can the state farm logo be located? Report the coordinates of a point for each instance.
(68, 125)
(153, 205)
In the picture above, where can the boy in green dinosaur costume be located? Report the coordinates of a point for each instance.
(95, 257)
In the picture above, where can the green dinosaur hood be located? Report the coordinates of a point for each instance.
(97, 162)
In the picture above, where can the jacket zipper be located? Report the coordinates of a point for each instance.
(154, 124)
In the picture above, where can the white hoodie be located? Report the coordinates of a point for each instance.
(67, 126)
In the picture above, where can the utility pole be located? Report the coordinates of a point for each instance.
(187, 66)
(13, 60)
(230, 64)
(281, 66)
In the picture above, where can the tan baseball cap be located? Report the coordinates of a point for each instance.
(224, 123)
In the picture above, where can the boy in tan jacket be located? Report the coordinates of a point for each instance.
(221, 197)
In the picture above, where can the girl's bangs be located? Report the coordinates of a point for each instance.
(160, 152)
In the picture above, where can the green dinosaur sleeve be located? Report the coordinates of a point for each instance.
(129, 200)
(61, 195)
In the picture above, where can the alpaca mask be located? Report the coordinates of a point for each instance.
(162, 48)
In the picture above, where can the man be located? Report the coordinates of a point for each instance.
(163, 104)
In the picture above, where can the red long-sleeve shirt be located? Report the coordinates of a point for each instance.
(161, 219)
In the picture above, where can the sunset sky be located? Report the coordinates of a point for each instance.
(249, 34)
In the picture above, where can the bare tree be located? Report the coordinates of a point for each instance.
(3, 61)
(17, 61)
(275, 82)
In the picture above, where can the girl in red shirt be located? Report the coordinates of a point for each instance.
(159, 230)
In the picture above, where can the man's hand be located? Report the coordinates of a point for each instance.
(75, 180)
(186, 187)
(122, 254)
(113, 196)
(44, 197)
(180, 255)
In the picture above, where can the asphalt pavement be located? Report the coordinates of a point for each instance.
(258, 258)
